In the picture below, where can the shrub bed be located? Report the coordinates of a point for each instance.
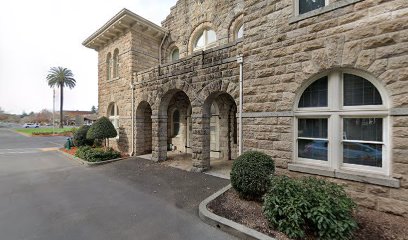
(297, 206)
(250, 174)
(96, 154)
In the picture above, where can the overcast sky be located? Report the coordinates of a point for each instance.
(37, 35)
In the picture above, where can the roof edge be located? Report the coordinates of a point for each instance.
(124, 12)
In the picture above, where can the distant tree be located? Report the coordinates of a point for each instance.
(24, 114)
(61, 77)
(93, 109)
(1, 111)
(102, 129)
(31, 113)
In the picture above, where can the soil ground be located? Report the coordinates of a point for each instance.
(373, 225)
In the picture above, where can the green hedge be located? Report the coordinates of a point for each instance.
(294, 206)
(250, 174)
(80, 139)
(96, 154)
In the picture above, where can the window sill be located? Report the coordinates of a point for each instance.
(113, 79)
(347, 175)
(328, 8)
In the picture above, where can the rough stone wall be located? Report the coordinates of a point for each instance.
(281, 56)
(188, 16)
(137, 52)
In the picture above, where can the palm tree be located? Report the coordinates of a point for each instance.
(61, 77)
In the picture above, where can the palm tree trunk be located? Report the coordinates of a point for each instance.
(61, 107)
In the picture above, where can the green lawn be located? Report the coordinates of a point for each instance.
(33, 131)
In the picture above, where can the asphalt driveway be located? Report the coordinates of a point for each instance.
(45, 195)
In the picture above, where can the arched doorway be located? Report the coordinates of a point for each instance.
(222, 139)
(143, 129)
(174, 126)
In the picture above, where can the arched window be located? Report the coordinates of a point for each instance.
(116, 63)
(342, 123)
(175, 55)
(176, 122)
(240, 32)
(109, 66)
(113, 115)
(207, 39)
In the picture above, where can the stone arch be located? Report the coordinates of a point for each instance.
(196, 32)
(202, 130)
(169, 51)
(143, 128)
(213, 89)
(234, 26)
(167, 89)
(172, 100)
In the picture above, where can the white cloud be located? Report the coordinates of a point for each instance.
(38, 35)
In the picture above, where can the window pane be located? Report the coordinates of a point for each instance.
(175, 55)
(309, 5)
(363, 154)
(364, 129)
(176, 122)
(312, 149)
(359, 91)
(312, 128)
(240, 32)
(315, 95)
(200, 41)
(211, 36)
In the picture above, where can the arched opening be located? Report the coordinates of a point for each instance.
(174, 55)
(143, 129)
(222, 110)
(206, 40)
(116, 63)
(109, 66)
(174, 127)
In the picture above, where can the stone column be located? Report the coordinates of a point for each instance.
(139, 136)
(159, 138)
(201, 143)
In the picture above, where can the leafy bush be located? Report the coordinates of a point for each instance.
(96, 154)
(102, 129)
(294, 206)
(250, 174)
(80, 139)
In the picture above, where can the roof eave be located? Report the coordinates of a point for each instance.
(118, 25)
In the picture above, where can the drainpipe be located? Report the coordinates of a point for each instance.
(160, 49)
(240, 60)
(132, 88)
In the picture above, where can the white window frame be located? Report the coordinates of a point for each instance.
(206, 44)
(335, 112)
(297, 9)
(115, 63)
(115, 118)
(171, 54)
(237, 32)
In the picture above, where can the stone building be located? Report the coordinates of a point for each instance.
(325, 86)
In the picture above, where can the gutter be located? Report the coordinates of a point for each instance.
(161, 45)
(132, 88)
(240, 60)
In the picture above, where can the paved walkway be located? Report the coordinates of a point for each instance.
(44, 195)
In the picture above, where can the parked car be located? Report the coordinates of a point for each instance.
(31, 125)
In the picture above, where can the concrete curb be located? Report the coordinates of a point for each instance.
(90, 164)
(227, 225)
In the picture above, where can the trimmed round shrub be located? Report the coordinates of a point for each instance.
(96, 154)
(297, 206)
(102, 129)
(250, 174)
(80, 139)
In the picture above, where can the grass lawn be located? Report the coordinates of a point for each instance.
(44, 131)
